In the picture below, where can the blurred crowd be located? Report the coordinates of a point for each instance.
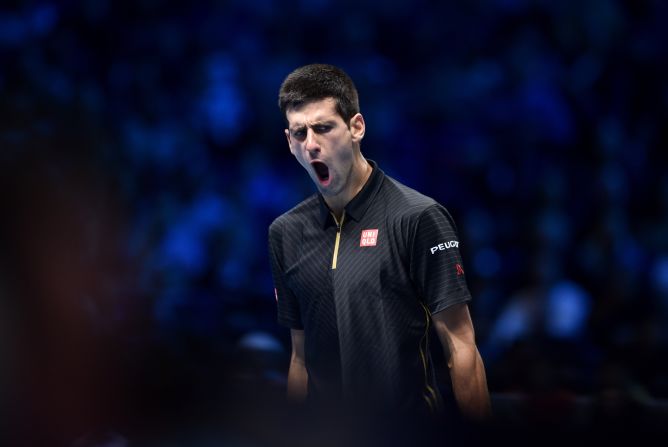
(142, 159)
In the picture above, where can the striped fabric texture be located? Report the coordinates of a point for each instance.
(366, 319)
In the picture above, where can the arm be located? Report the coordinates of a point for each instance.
(297, 374)
(455, 331)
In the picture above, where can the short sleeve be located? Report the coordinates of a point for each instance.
(287, 303)
(436, 265)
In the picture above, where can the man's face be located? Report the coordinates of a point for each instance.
(323, 143)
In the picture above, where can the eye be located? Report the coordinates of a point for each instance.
(322, 128)
(299, 134)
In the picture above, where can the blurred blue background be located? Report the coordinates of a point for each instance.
(142, 159)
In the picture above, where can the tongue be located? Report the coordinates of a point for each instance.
(322, 170)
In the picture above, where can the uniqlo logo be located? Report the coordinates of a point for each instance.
(369, 238)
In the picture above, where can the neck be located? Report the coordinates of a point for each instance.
(360, 174)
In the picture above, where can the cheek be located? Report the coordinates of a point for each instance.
(344, 153)
(299, 155)
(294, 149)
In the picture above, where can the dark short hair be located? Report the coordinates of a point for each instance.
(319, 81)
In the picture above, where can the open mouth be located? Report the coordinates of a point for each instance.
(321, 170)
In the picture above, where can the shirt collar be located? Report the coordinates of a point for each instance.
(356, 208)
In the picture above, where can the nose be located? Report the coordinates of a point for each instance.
(311, 144)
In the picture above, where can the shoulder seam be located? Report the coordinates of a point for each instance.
(419, 218)
(411, 242)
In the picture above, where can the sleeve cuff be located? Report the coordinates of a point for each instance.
(290, 324)
(464, 296)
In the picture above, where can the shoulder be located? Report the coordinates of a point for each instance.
(296, 216)
(411, 212)
(406, 203)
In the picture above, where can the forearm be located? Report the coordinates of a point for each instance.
(469, 383)
(297, 381)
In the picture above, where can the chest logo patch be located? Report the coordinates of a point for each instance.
(369, 238)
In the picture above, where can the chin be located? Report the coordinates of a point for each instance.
(328, 190)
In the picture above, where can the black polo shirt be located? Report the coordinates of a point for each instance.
(363, 290)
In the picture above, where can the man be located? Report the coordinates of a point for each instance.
(364, 268)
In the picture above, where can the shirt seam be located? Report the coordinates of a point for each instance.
(411, 244)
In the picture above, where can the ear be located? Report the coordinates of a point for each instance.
(357, 127)
(287, 135)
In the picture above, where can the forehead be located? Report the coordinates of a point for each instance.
(313, 111)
